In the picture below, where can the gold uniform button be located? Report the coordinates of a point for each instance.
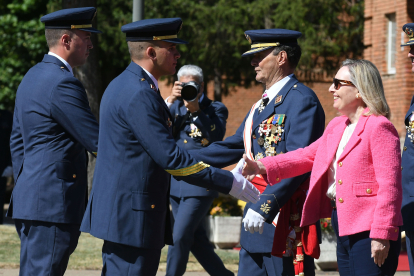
(74, 175)
(295, 86)
(185, 141)
(152, 206)
(208, 190)
(369, 191)
(277, 179)
(340, 164)
(405, 148)
(401, 168)
(340, 182)
(396, 230)
(341, 200)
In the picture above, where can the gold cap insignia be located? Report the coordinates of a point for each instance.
(409, 32)
(248, 38)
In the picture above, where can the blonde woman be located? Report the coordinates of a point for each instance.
(356, 173)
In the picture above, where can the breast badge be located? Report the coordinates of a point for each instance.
(270, 131)
(195, 132)
(169, 122)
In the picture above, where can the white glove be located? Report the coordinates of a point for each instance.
(8, 171)
(239, 166)
(243, 189)
(253, 222)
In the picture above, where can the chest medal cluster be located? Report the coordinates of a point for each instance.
(410, 130)
(196, 132)
(270, 131)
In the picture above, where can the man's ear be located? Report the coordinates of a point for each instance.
(151, 53)
(65, 41)
(202, 87)
(282, 58)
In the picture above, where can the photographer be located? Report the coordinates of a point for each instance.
(198, 122)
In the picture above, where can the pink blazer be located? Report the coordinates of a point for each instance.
(368, 188)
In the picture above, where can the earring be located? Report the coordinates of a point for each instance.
(357, 96)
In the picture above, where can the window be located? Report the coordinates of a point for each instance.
(391, 43)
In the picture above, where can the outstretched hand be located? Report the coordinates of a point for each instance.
(252, 168)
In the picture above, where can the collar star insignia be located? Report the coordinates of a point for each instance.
(278, 99)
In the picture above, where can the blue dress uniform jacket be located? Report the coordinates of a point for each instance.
(211, 122)
(407, 164)
(304, 123)
(137, 154)
(52, 127)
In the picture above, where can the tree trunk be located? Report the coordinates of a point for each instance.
(90, 76)
(217, 85)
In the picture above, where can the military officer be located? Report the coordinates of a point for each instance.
(6, 121)
(128, 206)
(288, 116)
(52, 128)
(197, 123)
(407, 162)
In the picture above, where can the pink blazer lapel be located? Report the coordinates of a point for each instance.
(356, 136)
(334, 138)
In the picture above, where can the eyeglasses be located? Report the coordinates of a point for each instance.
(337, 83)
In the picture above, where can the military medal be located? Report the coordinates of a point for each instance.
(270, 151)
(204, 142)
(410, 130)
(260, 141)
(195, 132)
(258, 156)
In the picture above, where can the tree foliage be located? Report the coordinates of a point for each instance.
(332, 30)
(22, 45)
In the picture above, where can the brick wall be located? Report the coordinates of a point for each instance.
(398, 87)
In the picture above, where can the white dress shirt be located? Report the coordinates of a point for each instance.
(62, 60)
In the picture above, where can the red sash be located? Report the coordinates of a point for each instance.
(306, 237)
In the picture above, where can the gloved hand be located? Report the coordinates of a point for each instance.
(242, 188)
(239, 166)
(253, 222)
(8, 171)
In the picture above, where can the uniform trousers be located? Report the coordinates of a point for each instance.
(189, 234)
(409, 240)
(45, 247)
(124, 260)
(264, 264)
(354, 254)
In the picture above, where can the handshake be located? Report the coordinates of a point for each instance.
(242, 189)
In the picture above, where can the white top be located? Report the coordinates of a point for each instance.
(331, 193)
(62, 60)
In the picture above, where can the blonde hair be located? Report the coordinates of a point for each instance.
(367, 79)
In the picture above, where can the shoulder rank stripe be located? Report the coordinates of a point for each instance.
(189, 170)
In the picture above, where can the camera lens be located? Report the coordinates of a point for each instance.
(189, 91)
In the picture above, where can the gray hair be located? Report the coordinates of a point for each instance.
(367, 79)
(191, 70)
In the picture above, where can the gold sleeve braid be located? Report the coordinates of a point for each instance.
(189, 170)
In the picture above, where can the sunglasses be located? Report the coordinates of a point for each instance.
(338, 83)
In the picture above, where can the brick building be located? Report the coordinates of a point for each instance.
(383, 36)
(382, 39)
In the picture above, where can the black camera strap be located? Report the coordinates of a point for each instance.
(176, 128)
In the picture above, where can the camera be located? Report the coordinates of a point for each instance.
(189, 91)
